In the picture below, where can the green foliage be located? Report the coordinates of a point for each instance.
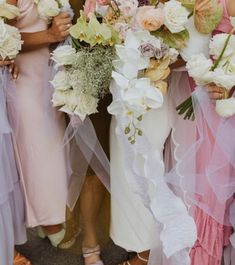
(176, 40)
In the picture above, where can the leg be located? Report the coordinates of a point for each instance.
(91, 199)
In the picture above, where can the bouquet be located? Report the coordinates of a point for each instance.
(139, 78)
(10, 38)
(49, 9)
(85, 67)
(220, 70)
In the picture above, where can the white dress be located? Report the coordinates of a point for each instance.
(132, 225)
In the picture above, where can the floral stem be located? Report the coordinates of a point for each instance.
(216, 64)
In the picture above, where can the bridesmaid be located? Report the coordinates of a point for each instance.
(39, 132)
(213, 236)
(93, 204)
(12, 229)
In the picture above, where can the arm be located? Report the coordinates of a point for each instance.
(58, 31)
(231, 7)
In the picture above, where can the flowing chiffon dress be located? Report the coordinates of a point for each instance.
(39, 130)
(12, 229)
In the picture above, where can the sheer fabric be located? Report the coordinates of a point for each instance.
(12, 230)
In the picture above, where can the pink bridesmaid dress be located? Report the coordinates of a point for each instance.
(39, 130)
(212, 235)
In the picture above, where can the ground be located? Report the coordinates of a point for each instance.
(40, 252)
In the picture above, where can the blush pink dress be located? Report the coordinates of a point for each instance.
(212, 235)
(39, 130)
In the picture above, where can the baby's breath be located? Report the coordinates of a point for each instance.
(94, 67)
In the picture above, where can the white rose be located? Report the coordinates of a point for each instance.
(228, 65)
(59, 98)
(175, 16)
(198, 67)
(61, 81)
(10, 41)
(232, 20)
(48, 9)
(65, 3)
(223, 79)
(87, 105)
(64, 55)
(8, 11)
(217, 44)
(74, 77)
(225, 107)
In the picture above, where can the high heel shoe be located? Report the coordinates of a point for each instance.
(57, 238)
(89, 252)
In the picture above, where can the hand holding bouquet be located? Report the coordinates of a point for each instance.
(219, 70)
(85, 68)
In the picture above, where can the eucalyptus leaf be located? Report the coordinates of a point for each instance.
(207, 15)
(174, 40)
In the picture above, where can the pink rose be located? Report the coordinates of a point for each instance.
(150, 18)
(103, 2)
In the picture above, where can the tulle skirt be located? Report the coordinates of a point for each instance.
(12, 230)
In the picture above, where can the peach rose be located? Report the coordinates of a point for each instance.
(103, 2)
(150, 18)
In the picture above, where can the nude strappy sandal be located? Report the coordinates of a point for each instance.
(88, 252)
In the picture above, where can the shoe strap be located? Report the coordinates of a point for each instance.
(142, 259)
(88, 252)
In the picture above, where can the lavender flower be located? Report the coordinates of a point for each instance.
(147, 50)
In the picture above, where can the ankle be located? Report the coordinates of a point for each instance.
(90, 241)
(52, 229)
(143, 256)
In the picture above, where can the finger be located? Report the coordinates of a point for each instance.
(63, 15)
(215, 96)
(65, 33)
(10, 68)
(64, 28)
(215, 89)
(15, 72)
(5, 63)
(65, 21)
